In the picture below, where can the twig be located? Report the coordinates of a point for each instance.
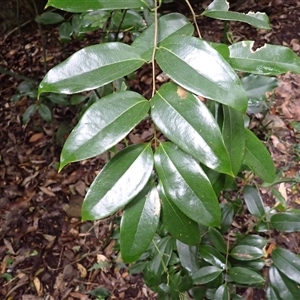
(194, 18)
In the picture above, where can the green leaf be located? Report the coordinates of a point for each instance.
(122, 178)
(169, 24)
(197, 67)
(218, 9)
(177, 223)
(186, 121)
(217, 240)
(206, 274)
(271, 294)
(139, 223)
(258, 159)
(222, 293)
(49, 17)
(65, 32)
(254, 201)
(186, 185)
(244, 252)
(283, 286)
(266, 60)
(252, 240)
(44, 112)
(29, 112)
(212, 256)
(188, 256)
(84, 6)
(234, 136)
(103, 125)
(90, 68)
(245, 276)
(227, 217)
(257, 87)
(286, 222)
(287, 262)
(58, 99)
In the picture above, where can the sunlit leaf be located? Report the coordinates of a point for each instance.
(186, 185)
(103, 125)
(139, 223)
(197, 67)
(218, 9)
(90, 68)
(266, 60)
(188, 123)
(123, 177)
(177, 223)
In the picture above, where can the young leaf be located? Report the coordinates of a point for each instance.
(85, 6)
(49, 17)
(122, 178)
(177, 223)
(222, 293)
(90, 68)
(258, 159)
(206, 274)
(254, 201)
(197, 67)
(188, 256)
(245, 276)
(283, 286)
(286, 222)
(217, 240)
(187, 122)
(234, 136)
(244, 252)
(267, 60)
(186, 185)
(212, 256)
(218, 9)
(103, 125)
(169, 24)
(287, 262)
(139, 223)
(29, 112)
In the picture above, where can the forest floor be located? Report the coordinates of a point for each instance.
(46, 251)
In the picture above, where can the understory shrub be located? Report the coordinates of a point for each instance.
(178, 190)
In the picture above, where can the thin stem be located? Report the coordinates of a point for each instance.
(194, 18)
(154, 46)
(120, 25)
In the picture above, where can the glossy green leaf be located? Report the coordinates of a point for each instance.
(186, 185)
(227, 217)
(187, 122)
(103, 125)
(212, 256)
(197, 67)
(49, 17)
(177, 223)
(90, 68)
(245, 252)
(139, 223)
(258, 159)
(286, 222)
(217, 240)
(65, 32)
(252, 240)
(122, 178)
(206, 274)
(218, 9)
(245, 276)
(45, 112)
(255, 265)
(266, 60)
(254, 201)
(257, 87)
(271, 294)
(234, 136)
(222, 293)
(283, 286)
(88, 5)
(169, 24)
(287, 262)
(188, 256)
